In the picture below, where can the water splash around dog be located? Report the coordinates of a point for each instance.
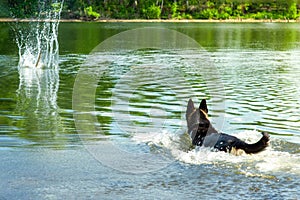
(266, 164)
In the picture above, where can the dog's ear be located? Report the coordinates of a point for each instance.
(203, 106)
(190, 107)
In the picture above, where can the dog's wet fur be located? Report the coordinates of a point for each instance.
(204, 134)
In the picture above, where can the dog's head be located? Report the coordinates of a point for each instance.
(197, 119)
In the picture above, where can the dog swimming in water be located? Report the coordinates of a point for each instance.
(204, 134)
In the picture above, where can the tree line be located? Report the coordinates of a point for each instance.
(162, 9)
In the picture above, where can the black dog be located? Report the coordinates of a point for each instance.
(203, 134)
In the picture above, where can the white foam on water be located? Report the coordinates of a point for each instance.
(268, 161)
(38, 41)
(29, 59)
(277, 161)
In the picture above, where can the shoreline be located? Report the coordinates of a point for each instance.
(161, 20)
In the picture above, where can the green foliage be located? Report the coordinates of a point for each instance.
(262, 15)
(152, 12)
(292, 11)
(186, 16)
(23, 9)
(156, 9)
(225, 11)
(209, 11)
(4, 11)
(90, 13)
(174, 8)
(241, 10)
(56, 7)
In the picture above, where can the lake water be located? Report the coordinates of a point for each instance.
(110, 123)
